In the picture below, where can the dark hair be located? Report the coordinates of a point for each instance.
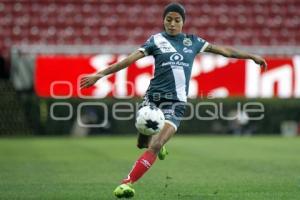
(175, 7)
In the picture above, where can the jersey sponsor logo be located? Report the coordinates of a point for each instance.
(186, 50)
(187, 42)
(176, 57)
(163, 44)
(176, 60)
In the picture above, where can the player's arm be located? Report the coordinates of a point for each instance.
(234, 53)
(90, 80)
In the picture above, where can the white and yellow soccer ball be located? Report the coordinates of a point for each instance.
(149, 120)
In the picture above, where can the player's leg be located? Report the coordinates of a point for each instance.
(173, 113)
(158, 141)
(143, 141)
(144, 163)
(149, 156)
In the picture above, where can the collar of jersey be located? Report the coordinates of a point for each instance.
(176, 37)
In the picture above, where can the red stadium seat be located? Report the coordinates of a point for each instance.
(268, 22)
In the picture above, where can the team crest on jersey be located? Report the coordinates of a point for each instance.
(187, 42)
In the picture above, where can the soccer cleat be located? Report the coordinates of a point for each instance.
(163, 153)
(124, 191)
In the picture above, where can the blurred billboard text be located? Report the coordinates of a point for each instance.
(57, 77)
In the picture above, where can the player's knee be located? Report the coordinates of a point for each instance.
(156, 146)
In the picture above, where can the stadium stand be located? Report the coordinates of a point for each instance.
(12, 115)
(241, 22)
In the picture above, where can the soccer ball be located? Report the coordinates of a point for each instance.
(149, 120)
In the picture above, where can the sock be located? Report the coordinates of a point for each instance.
(140, 167)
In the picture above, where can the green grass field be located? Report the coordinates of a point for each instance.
(197, 168)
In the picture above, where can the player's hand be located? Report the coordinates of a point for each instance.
(260, 61)
(88, 81)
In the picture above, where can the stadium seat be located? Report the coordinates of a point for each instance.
(232, 22)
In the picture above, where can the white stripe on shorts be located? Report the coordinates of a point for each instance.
(171, 123)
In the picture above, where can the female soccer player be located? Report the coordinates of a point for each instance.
(174, 53)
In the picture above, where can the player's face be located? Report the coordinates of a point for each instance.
(173, 23)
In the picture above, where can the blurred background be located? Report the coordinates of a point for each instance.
(46, 45)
